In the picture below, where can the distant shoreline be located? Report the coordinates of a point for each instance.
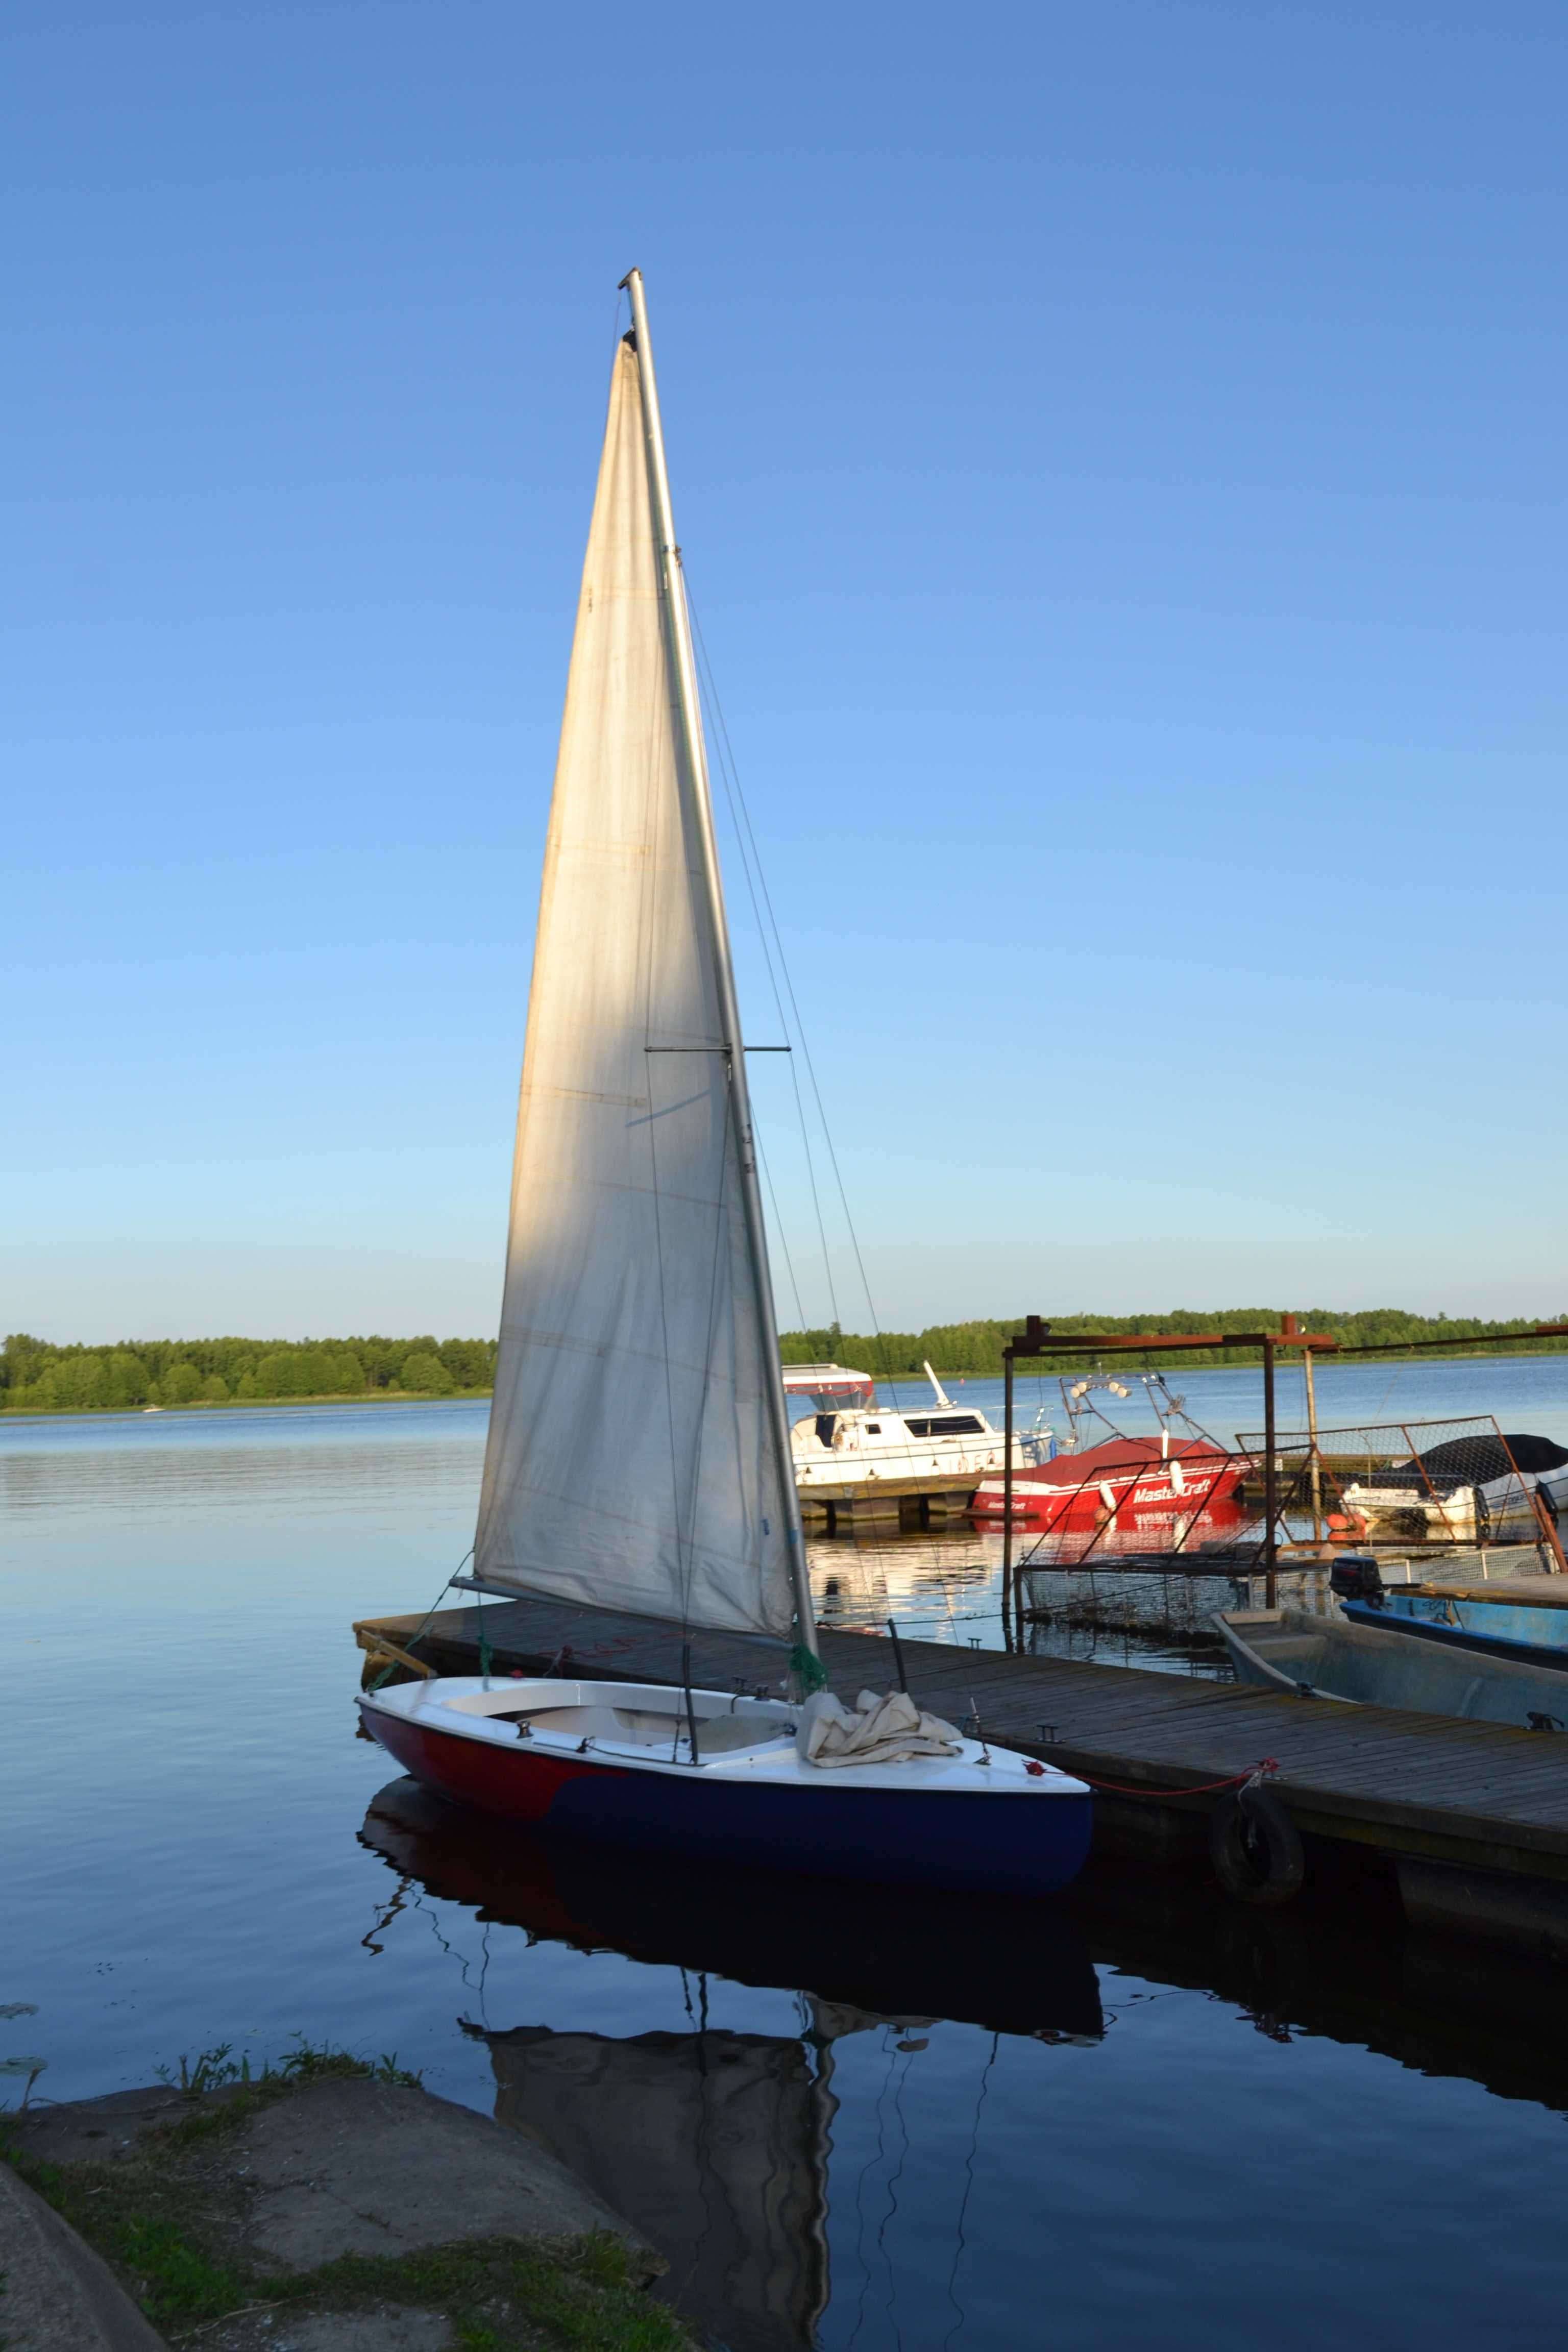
(1060, 1370)
(236, 1404)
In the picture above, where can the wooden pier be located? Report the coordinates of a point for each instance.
(922, 1500)
(1472, 1817)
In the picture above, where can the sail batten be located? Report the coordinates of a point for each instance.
(633, 1459)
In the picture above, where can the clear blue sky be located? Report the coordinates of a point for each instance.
(1120, 456)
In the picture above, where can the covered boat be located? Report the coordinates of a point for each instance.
(638, 1454)
(1478, 1486)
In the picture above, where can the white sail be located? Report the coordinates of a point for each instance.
(633, 1459)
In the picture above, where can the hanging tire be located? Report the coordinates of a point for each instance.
(1255, 1848)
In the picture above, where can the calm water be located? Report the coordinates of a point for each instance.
(1140, 2119)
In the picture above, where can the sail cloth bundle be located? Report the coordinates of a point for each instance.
(890, 1730)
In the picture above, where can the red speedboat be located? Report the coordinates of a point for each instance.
(1170, 1475)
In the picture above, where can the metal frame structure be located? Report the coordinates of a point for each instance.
(1036, 1339)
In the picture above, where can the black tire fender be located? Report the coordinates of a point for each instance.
(1255, 1847)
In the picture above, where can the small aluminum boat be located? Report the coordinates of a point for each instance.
(1369, 1665)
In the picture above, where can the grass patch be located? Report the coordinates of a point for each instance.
(136, 2223)
(166, 2225)
(218, 2070)
(500, 2294)
(309, 2062)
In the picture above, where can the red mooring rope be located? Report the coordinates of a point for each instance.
(1263, 1770)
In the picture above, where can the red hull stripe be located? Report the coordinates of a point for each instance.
(518, 1782)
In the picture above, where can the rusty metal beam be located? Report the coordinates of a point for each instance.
(1459, 1343)
(1033, 1340)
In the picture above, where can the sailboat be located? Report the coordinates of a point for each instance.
(639, 1455)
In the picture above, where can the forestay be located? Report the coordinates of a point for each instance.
(632, 1459)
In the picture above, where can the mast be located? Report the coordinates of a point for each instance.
(683, 669)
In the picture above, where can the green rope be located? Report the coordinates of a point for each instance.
(486, 1652)
(809, 1667)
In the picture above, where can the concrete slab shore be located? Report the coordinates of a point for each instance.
(301, 2175)
(58, 2296)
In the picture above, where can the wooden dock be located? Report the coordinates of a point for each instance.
(931, 1500)
(1472, 1816)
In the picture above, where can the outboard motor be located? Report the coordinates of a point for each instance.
(1357, 1578)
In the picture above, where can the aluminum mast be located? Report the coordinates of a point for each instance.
(684, 667)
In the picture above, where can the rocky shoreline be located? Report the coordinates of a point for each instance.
(343, 2213)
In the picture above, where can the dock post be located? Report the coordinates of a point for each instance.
(1006, 1489)
(1312, 1443)
(1270, 1496)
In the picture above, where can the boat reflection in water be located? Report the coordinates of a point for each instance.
(1015, 1967)
(716, 2143)
(720, 2145)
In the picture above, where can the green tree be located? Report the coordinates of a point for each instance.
(315, 1372)
(214, 1390)
(471, 1362)
(277, 1375)
(181, 1384)
(127, 1379)
(425, 1371)
(78, 1379)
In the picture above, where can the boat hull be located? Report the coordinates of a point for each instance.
(1363, 1662)
(1044, 1501)
(1503, 1632)
(915, 1837)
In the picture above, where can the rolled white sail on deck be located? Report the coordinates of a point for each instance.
(631, 1462)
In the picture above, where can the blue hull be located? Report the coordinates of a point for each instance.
(1010, 1846)
(1006, 1843)
(1471, 1625)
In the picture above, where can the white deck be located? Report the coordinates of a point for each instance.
(642, 1725)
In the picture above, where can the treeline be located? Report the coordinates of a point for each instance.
(974, 1349)
(36, 1377)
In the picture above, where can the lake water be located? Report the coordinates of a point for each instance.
(1138, 2118)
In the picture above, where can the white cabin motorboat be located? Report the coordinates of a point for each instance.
(847, 1451)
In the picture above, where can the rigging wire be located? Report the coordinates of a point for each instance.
(746, 832)
(778, 1220)
(756, 881)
